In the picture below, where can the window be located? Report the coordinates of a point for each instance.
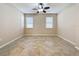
(29, 22)
(49, 22)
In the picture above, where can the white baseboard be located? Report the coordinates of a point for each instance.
(66, 39)
(39, 34)
(11, 41)
(69, 42)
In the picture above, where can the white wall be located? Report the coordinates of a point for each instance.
(68, 24)
(11, 23)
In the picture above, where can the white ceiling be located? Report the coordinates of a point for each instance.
(54, 7)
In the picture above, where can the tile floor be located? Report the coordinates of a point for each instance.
(39, 46)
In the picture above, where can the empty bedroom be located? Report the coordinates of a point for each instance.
(39, 29)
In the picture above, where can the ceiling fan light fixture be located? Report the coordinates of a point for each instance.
(40, 10)
(39, 6)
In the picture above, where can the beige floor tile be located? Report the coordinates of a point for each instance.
(42, 46)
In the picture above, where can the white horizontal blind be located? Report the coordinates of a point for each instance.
(29, 22)
(49, 22)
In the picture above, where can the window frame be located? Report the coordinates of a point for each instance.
(27, 24)
(48, 23)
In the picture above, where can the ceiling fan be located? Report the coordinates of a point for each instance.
(41, 8)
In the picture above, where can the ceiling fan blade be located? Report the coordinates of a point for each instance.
(37, 11)
(46, 7)
(44, 11)
(34, 9)
(40, 3)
